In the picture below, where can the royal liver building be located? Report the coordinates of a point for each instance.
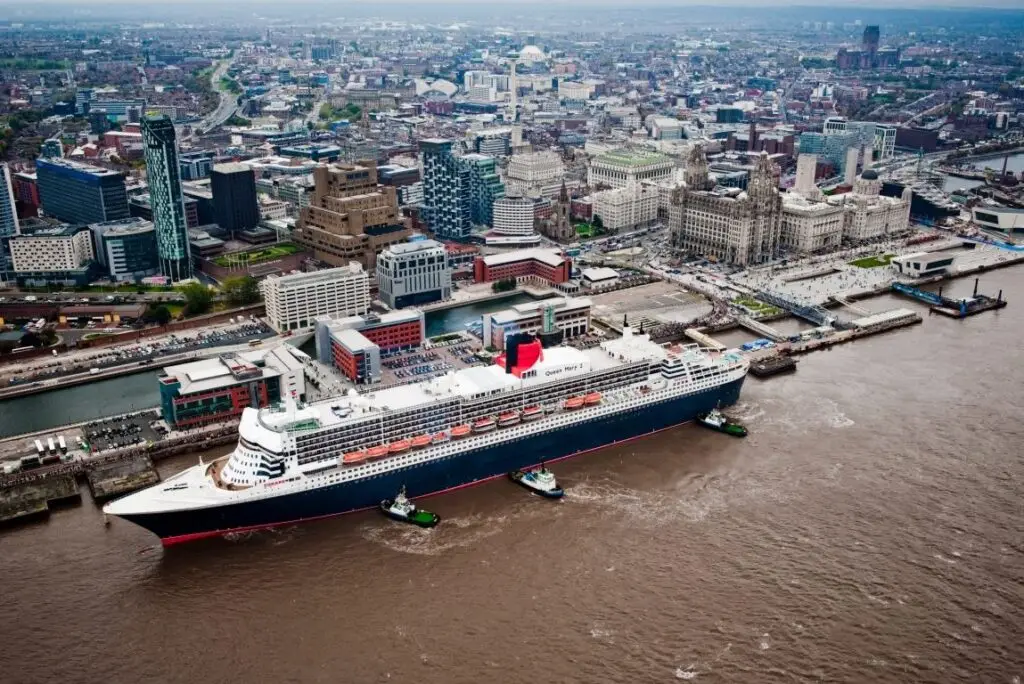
(731, 225)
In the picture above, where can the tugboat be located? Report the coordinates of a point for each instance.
(403, 510)
(541, 481)
(716, 420)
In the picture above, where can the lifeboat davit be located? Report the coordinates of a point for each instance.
(507, 419)
(484, 424)
(592, 399)
(377, 452)
(532, 413)
(573, 402)
(399, 446)
(460, 430)
(420, 441)
(353, 457)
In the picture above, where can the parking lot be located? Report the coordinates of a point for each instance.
(421, 364)
(658, 302)
(142, 353)
(112, 433)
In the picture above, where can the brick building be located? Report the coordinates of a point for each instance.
(548, 264)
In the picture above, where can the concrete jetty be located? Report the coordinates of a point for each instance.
(33, 497)
(110, 480)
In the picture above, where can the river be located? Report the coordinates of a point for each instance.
(870, 529)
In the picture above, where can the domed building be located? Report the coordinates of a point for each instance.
(868, 214)
(530, 54)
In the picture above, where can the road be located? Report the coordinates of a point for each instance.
(228, 101)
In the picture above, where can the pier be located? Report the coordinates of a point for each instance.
(704, 340)
(761, 329)
(954, 308)
(860, 310)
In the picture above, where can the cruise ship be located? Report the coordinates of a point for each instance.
(296, 463)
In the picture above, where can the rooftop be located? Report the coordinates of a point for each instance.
(551, 257)
(633, 158)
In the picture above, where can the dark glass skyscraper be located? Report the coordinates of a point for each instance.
(165, 196)
(79, 193)
(234, 197)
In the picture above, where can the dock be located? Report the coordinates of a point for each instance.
(760, 328)
(111, 480)
(954, 308)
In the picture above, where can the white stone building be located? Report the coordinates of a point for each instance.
(413, 273)
(294, 301)
(809, 226)
(628, 207)
(535, 172)
(513, 216)
(620, 168)
(868, 214)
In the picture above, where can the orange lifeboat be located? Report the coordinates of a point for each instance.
(532, 412)
(592, 399)
(439, 437)
(573, 402)
(420, 441)
(460, 430)
(508, 419)
(399, 446)
(485, 424)
(377, 452)
(354, 457)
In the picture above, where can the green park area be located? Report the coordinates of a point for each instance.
(584, 230)
(873, 261)
(757, 307)
(258, 256)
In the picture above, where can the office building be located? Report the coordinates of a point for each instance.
(52, 148)
(350, 218)
(514, 218)
(810, 226)
(619, 168)
(294, 301)
(414, 273)
(570, 315)
(446, 191)
(195, 165)
(534, 173)
(806, 173)
(353, 345)
(234, 197)
(628, 207)
(126, 248)
(166, 201)
(485, 187)
(74, 192)
(218, 389)
(727, 224)
(881, 138)
(1003, 219)
(869, 215)
(549, 265)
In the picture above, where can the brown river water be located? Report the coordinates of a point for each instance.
(870, 529)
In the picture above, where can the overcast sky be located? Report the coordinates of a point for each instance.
(340, 5)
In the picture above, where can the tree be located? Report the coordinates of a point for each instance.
(197, 298)
(598, 224)
(159, 314)
(241, 290)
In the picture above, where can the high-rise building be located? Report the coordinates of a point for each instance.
(61, 254)
(414, 273)
(731, 225)
(296, 300)
(52, 148)
(234, 197)
(349, 217)
(79, 193)
(8, 213)
(446, 190)
(8, 219)
(166, 200)
(485, 187)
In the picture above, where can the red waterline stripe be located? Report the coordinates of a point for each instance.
(196, 536)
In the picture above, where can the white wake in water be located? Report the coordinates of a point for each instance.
(452, 533)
